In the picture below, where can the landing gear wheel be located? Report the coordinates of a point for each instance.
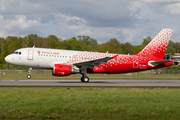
(84, 79)
(28, 76)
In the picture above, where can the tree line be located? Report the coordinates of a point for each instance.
(81, 43)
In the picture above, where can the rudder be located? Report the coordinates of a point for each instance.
(157, 47)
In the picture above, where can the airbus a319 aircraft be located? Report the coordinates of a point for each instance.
(67, 62)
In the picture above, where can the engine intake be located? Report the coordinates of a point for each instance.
(64, 70)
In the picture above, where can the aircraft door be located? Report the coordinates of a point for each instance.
(30, 54)
(135, 64)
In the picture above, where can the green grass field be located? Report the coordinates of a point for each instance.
(48, 76)
(89, 103)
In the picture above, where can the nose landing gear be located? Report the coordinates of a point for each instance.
(29, 75)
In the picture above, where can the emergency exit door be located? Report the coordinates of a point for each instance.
(135, 64)
(30, 54)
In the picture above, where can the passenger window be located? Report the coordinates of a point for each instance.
(19, 53)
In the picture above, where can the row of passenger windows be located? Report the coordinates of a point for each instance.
(53, 55)
(80, 58)
(119, 61)
(16, 52)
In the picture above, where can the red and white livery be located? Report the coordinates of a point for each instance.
(67, 62)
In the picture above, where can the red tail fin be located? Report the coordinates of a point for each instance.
(157, 47)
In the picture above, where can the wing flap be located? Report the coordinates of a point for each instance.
(92, 63)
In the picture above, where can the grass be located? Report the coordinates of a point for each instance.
(48, 76)
(89, 103)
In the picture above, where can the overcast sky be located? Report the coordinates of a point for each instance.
(126, 20)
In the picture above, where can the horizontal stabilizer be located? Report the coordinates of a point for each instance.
(155, 63)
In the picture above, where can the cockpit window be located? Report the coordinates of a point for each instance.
(16, 52)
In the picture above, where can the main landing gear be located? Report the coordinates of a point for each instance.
(29, 75)
(84, 77)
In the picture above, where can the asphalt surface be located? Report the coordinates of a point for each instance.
(92, 83)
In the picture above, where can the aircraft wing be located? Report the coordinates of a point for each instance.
(155, 63)
(92, 63)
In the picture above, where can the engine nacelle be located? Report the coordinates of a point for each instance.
(64, 70)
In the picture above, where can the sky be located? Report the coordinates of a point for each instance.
(126, 20)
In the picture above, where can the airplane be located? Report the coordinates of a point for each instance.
(67, 62)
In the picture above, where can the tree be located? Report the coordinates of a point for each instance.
(128, 49)
(171, 49)
(177, 47)
(53, 41)
(113, 46)
(2, 40)
(146, 41)
(74, 44)
(87, 43)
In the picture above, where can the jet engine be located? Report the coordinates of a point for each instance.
(64, 70)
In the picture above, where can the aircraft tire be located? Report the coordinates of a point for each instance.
(28, 76)
(82, 80)
(85, 79)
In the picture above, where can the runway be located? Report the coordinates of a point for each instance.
(92, 83)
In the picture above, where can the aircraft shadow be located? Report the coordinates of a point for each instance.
(86, 83)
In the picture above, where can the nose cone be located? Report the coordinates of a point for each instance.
(8, 59)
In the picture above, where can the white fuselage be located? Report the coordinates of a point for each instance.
(46, 58)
